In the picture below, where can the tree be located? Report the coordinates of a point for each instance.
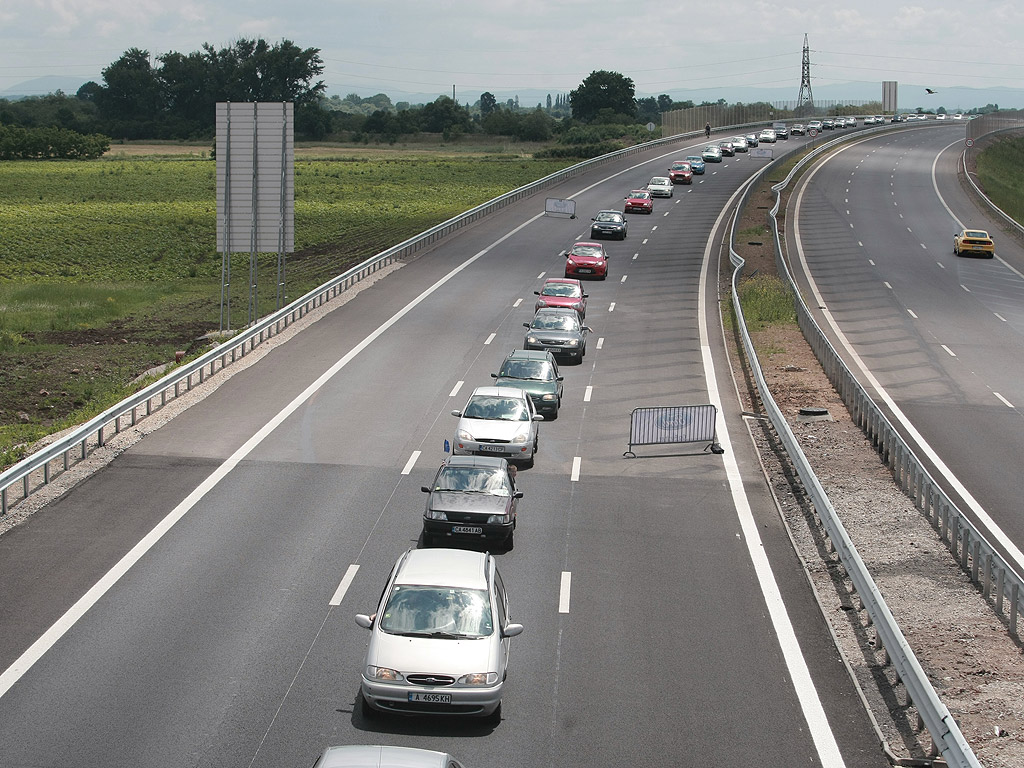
(664, 102)
(603, 90)
(132, 91)
(549, 102)
(487, 103)
(647, 110)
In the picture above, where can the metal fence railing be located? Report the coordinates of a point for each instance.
(694, 118)
(995, 122)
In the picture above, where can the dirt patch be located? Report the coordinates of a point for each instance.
(965, 649)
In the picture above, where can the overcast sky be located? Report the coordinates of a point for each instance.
(406, 47)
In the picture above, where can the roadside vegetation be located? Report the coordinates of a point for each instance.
(1001, 171)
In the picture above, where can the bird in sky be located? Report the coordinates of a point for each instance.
(929, 90)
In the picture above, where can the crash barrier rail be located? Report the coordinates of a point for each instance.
(946, 737)
(987, 125)
(672, 424)
(43, 466)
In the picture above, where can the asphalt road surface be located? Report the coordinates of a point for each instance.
(685, 633)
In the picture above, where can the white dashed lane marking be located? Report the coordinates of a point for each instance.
(574, 476)
(456, 388)
(563, 592)
(346, 582)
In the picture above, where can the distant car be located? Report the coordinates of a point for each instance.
(639, 200)
(696, 164)
(781, 131)
(712, 154)
(851, 122)
(680, 172)
(535, 371)
(473, 497)
(587, 260)
(828, 124)
(739, 143)
(751, 139)
(973, 242)
(439, 641)
(559, 331)
(562, 292)
(940, 116)
(767, 136)
(361, 756)
(660, 186)
(608, 224)
(499, 421)
(814, 125)
(728, 150)
(798, 129)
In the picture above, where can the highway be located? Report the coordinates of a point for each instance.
(176, 608)
(939, 338)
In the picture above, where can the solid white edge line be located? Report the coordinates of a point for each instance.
(456, 388)
(587, 393)
(346, 582)
(411, 462)
(574, 475)
(564, 589)
(803, 685)
(983, 517)
(34, 652)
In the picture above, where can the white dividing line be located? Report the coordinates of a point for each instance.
(517, 303)
(652, 229)
(346, 582)
(665, 213)
(999, 316)
(587, 393)
(635, 255)
(941, 265)
(644, 241)
(948, 350)
(544, 273)
(574, 476)
(490, 339)
(871, 262)
(411, 462)
(910, 230)
(456, 388)
(1006, 402)
(59, 628)
(924, 246)
(887, 285)
(860, 243)
(911, 313)
(600, 342)
(623, 279)
(965, 287)
(564, 589)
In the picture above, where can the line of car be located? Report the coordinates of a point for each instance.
(440, 636)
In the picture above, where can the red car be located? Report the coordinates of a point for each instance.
(586, 260)
(639, 200)
(680, 173)
(565, 293)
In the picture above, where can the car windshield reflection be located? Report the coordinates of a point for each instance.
(444, 612)
(474, 480)
(497, 408)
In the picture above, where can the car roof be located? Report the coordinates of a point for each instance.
(557, 311)
(366, 756)
(506, 391)
(544, 355)
(484, 462)
(444, 568)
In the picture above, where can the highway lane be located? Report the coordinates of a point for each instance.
(221, 646)
(942, 335)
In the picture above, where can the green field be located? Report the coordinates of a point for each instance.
(1001, 171)
(108, 267)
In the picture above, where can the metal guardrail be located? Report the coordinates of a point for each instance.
(910, 475)
(39, 469)
(995, 208)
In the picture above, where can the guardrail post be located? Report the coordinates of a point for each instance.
(1000, 586)
(1014, 597)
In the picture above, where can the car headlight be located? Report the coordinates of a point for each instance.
(541, 303)
(479, 678)
(436, 514)
(463, 435)
(519, 439)
(572, 343)
(499, 519)
(384, 673)
(549, 396)
(531, 339)
(570, 263)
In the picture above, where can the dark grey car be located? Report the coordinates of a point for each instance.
(609, 224)
(559, 331)
(473, 497)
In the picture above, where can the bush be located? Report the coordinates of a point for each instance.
(582, 151)
(17, 143)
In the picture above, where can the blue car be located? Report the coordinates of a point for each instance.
(696, 164)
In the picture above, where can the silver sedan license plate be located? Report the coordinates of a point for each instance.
(431, 698)
(493, 448)
(467, 529)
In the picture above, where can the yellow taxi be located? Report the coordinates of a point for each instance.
(973, 241)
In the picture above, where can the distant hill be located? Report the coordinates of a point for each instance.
(41, 86)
